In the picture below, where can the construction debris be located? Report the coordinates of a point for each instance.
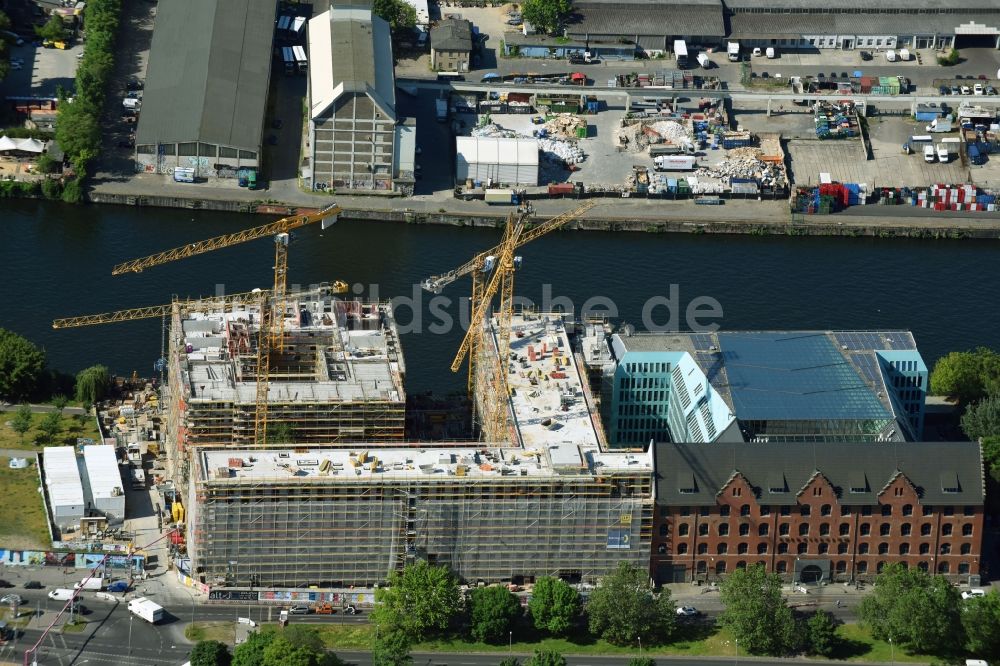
(565, 125)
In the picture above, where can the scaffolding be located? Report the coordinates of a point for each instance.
(488, 514)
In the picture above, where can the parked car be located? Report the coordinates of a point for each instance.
(687, 611)
(118, 585)
(16, 65)
(966, 90)
(276, 123)
(6, 583)
(11, 599)
(944, 90)
(990, 90)
(973, 593)
(977, 89)
(134, 84)
(866, 55)
(299, 610)
(351, 610)
(955, 90)
(33, 585)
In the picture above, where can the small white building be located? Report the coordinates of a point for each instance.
(496, 161)
(104, 479)
(63, 486)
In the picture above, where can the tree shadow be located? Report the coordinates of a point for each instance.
(848, 648)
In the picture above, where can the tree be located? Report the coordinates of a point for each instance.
(952, 58)
(59, 402)
(420, 601)
(968, 375)
(821, 634)
(21, 423)
(641, 661)
(4, 21)
(756, 613)
(546, 658)
(92, 384)
(51, 425)
(545, 15)
(914, 609)
(494, 611)
(981, 618)
(251, 651)
(210, 653)
(982, 419)
(53, 29)
(281, 652)
(21, 366)
(46, 164)
(991, 456)
(554, 605)
(391, 648)
(622, 608)
(397, 13)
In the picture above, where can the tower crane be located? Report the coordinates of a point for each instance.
(499, 262)
(271, 335)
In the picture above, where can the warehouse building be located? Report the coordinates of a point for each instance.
(339, 379)
(103, 483)
(760, 386)
(496, 161)
(886, 24)
(352, 104)
(206, 88)
(818, 513)
(63, 487)
(650, 25)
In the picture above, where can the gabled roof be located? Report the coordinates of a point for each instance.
(452, 35)
(350, 51)
(942, 472)
(209, 66)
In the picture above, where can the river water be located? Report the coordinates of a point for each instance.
(55, 261)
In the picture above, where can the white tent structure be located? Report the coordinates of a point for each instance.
(105, 481)
(28, 145)
(496, 161)
(63, 485)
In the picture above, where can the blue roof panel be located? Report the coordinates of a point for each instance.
(795, 376)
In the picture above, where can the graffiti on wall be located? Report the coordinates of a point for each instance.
(44, 558)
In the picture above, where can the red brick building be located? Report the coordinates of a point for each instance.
(823, 511)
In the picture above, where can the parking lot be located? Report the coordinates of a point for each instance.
(40, 72)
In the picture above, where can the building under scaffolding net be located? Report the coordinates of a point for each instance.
(332, 517)
(544, 498)
(337, 379)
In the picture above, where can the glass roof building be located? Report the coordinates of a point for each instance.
(761, 386)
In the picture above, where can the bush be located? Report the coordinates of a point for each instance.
(72, 191)
(952, 58)
(51, 189)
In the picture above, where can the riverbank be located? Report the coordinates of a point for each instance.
(758, 218)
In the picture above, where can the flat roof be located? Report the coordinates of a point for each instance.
(208, 73)
(62, 476)
(102, 471)
(497, 150)
(357, 352)
(761, 25)
(647, 17)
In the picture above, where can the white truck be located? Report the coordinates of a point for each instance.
(733, 50)
(146, 609)
(942, 153)
(681, 53)
(93, 583)
(939, 125)
(674, 163)
(704, 61)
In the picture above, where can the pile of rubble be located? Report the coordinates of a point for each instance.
(744, 164)
(635, 137)
(565, 125)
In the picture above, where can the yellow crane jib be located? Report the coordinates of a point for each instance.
(284, 225)
(153, 311)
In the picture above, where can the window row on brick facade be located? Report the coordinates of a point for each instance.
(840, 567)
(844, 529)
(802, 548)
(724, 510)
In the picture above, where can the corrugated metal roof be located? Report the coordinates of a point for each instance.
(350, 51)
(491, 150)
(207, 79)
(777, 24)
(902, 6)
(664, 17)
(62, 476)
(858, 470)
(102, 471)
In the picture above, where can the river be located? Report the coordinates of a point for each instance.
(56, 261)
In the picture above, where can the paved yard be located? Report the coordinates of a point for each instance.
(43, 71)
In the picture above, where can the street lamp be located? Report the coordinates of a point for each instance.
(737, 651)
(510, 644)
(892, 652)
(639, 638)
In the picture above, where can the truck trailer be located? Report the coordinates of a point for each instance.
(92, 583)
(733, 50)
(146, 609)
(674, 163)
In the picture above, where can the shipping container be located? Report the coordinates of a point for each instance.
(500, 197)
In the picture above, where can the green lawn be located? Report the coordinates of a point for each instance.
(210, 631)
(26, 527)
(858, 645)
(75, 627)
(72, 427)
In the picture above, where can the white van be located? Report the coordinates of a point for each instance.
(890, 55)
(61, 594)
(771, 53)
(131, 103)
(704, 61)
(942, 153)
(929, 152)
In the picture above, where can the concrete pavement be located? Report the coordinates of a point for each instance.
(43, 409)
